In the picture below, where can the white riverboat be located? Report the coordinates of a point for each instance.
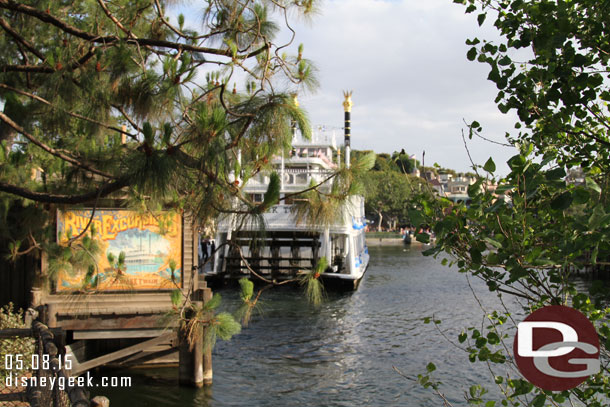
(284, 247)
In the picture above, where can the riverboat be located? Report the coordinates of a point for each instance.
(286, 248)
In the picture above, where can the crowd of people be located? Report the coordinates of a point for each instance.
(408, 232)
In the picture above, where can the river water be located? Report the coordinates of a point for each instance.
(343, 352)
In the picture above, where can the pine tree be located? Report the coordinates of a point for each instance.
(120, 99)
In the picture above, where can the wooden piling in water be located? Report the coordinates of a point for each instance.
(207, 352)
(195, 361)
(190, 365)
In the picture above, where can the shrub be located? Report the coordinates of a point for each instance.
(11, 318)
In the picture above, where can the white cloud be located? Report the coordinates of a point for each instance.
(413, 86)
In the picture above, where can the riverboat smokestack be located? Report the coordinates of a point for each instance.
(347, 107)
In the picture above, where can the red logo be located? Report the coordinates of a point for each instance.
(556, 348)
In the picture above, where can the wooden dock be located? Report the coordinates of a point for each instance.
(125, 327)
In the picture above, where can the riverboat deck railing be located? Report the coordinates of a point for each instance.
(312, 171)
(317, 138)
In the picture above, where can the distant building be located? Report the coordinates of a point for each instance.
(429, 175)
(445, 178)
(576, 176)
(455, 187)
(437, 186)
(459, 185)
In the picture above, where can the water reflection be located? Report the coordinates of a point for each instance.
(342, 353)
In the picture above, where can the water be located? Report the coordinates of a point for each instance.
(342, 353)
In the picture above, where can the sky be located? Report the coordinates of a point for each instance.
(412, 84)
(413, 88)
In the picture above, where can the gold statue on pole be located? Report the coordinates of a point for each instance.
(347, 103)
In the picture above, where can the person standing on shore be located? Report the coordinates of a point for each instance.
(205, 248)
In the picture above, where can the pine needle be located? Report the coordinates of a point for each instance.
(247, 289)
(222, 326)
(244, 313)
(314, 289)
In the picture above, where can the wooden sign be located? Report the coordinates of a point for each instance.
(133, 251)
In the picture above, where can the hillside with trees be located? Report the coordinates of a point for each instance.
(389, 186)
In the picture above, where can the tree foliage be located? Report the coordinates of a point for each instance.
(389, 186)
(527, 238)
(560, 92)
(404, 162)
(13, 318)
(122, 100)
(387, 195)
(321, 203)
(383, 162)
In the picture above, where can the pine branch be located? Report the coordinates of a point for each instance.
(101, 192)
(75, 115)
(222, 102)
(42, 68)
(112, 39)
(5, 25)
(114, 19)
(311, 188)
(180, 33)
(26, 68)
(51, 150)
(129, 119)
(241, 134)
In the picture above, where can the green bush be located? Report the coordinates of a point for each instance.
(11, 318)
(383, 235)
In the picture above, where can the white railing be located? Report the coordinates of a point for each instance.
(317, 138)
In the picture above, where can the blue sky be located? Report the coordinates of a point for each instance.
(413, 87)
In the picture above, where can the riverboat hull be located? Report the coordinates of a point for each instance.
(282, 254)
